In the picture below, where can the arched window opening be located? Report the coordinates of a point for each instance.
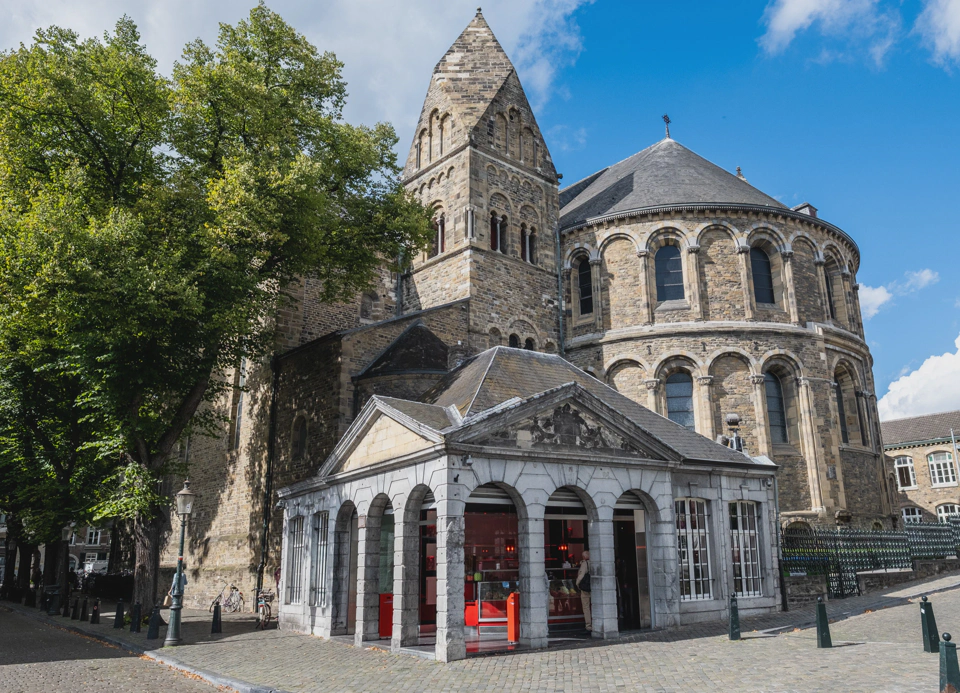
(532, 247)
(911, 515)
(762, 276)
(442, 130)
(841, 413)
(906, 473)
(669, 273)
(529, 345)
(439, 236)
(848, 409)
(585, 286)
(368, 302)
(494, 337)
(947, 511)
(680, 399)
(502, 228)
(776, 409)
(298, 444)
(523, 242)
(833, 280)
(494, 231)
(514, 341)
(943, 472)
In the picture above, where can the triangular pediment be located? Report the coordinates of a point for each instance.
(568, 418)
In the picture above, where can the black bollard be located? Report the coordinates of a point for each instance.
(928, 625)
(949, 669)
(153, 630)
(95, 616)
(75, 611)
(83, 610)
(217, 625)
(135, 618)
(66, 606)
(118, 617)
(823, 625)
(734, 618)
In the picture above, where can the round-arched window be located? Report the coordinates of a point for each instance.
(669, 271)
(680, 399)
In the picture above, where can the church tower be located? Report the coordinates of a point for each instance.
(479, 159)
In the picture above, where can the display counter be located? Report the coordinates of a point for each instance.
(485, 600)
(564, 603)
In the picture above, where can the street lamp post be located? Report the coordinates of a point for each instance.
(184, 508)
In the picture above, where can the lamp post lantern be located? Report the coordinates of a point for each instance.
(184, 508)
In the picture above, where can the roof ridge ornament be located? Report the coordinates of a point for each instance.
(666, 122)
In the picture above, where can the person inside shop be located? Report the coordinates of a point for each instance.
(583, 584)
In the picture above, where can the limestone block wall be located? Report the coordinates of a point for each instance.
(923, 494)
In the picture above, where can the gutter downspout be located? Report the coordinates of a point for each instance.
(268, 480)
(560, 340)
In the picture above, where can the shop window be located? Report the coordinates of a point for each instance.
(295, 561)
(947, 511)
(745, 548)
(906, 474)
(585, 286)
(911, 515)
(693, 548)
(680, 399)
(669, 271)
(318, 586)
(942, 470)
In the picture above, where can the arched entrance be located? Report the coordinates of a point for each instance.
(632, 567)
(345, 550)
(374, 586)
(565, 538)
(491, 565)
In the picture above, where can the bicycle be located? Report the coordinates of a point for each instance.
(231, 602)
(264, 613)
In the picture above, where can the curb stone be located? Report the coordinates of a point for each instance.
(159, 656)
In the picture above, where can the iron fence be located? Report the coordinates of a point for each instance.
(841, 553)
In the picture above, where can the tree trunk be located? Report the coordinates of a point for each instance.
(113, 559)
(51, 561)
(25, 569)
(10, 556)
(146, 572)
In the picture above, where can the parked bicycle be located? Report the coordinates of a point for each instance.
(264, 612)
(230, 600)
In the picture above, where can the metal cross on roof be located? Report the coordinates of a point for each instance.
(666, 121)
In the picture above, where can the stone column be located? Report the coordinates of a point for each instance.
(693, 256)
(406, 578)
(647, 297)
(811, 445)
(749, 307)
(450, 567)
(847, 302)
(760, 406)
(603, 575)
(789, 288)
(652, 400)
(705, 382)
(368, 582)
(857, 315)
(533, 583)
(596, 269)
(820, 264)
(566, 306)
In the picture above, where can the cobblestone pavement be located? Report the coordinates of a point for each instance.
(36, 657)
(877, 638)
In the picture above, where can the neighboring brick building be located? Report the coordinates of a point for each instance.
(764, 293)
(922, 465)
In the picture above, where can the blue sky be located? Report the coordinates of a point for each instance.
(851, 105)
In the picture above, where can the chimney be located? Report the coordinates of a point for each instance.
(806, 208)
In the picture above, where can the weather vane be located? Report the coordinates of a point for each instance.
(666, 121)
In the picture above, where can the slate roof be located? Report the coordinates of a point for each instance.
(430, 415)
(920, 428)
(501, 373)
(666, 173)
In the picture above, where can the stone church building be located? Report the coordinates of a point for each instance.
(623, 319)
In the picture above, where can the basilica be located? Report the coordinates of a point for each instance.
(561, 373)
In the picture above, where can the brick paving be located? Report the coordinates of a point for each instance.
(877, 636)
(38, 658)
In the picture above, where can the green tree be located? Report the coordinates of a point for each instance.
(156, 223)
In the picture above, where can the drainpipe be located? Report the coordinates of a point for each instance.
(560, 342)
(783, 587)
(268, 481)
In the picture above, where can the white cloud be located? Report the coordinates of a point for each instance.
(857, 21)
(874, 298)
(939, 25)
(389, 48)
(933, 387)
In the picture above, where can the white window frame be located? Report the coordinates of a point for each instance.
(318, 583)
(745, 548)
(944, 516)
(905, 462)
(94, 536)
(296, 534)
(914, 515)
(693, 548)
(943, 472)
(89, 561)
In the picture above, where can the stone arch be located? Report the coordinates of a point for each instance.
(494, 337)
(483, 475)
(846, 383)
(450, 172)
(499, 203)
(719, 226)
(787, 370)
(525, 329)
(753, 363)
(785, 356)
(627, 376)
(620, 285)
(589, 504)
(675, 361)
(344, 567)
(770, 243)
(500, 132)
(579, 249)
(668, 234)
(721, 290)
(761, 230)
(514, 183)
(299, 437)
(549, 348)
(493, 176)
(806, 279)
(529, 214)
(526, 149)
(615, 235)
(733, 392)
